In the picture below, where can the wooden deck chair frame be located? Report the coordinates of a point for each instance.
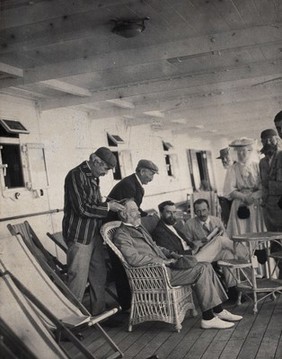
(62, 287)
(59, 240)
(153, 297)
(60, 327)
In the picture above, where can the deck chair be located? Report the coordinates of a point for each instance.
(36, 247)
(16, 258)
(24, 333)
(59, 240)
(153, 297)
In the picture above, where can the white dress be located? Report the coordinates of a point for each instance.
(244, 178)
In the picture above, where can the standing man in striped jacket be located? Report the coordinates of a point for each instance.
(83, 214)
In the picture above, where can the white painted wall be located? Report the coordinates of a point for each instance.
(69, 136)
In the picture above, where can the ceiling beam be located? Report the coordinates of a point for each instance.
(11, 70)
(66, 88)
(252, 71)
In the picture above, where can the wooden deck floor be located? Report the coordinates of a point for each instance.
(255, 337)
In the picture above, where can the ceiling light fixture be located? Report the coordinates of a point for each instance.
(129, 28)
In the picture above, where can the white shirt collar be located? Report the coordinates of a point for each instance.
(138, 179)
(207, 222)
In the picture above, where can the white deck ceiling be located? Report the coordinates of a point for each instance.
(212, 68)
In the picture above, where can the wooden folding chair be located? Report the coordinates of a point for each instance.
(16, 257)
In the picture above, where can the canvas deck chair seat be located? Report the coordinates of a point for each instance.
(23, 331)
(16, 257)
(153, 297)
(36, 247)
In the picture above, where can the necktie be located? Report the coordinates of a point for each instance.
(206, 228)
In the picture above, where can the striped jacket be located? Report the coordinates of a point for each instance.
(83, 207)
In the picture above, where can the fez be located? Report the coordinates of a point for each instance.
(278, 117)
(268, 133)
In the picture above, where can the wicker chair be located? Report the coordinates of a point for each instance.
(153, 297)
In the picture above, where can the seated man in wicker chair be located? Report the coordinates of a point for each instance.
(139, 249)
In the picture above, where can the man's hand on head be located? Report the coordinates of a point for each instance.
(115, 206)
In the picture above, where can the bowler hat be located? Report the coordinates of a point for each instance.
(107, 156)
(268, 133)
(223, 153)
(147, 164)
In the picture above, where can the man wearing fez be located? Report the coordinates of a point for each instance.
(129, 187)
(278, 123)
(83, 212)
(271, 178)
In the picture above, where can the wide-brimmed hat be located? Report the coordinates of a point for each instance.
(242, 142)
(223, 153)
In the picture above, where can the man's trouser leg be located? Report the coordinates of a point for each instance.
(207, 286)
(97, 276)
(219, 249)
(78, 260)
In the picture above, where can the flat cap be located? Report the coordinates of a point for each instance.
(241, 142)
(278, 117)
(107, 156)
(147, 164)
(223, 153)
(268, 133)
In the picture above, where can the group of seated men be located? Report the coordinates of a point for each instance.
(201, 241)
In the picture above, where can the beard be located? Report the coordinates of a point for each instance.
(268, 149)
(170, 221)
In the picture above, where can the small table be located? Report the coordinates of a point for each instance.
(252, 284)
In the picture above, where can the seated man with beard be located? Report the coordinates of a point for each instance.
(138, 249)
(193, 238)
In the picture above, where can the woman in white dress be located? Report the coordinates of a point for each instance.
(242, 186)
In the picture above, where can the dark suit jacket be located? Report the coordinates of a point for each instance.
(139, 249)
(128, 187)
(164, 237)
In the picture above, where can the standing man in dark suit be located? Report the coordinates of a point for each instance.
(129, 187)
(132, 186)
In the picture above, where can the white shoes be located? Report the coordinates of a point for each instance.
(225, 315)
(216, 323)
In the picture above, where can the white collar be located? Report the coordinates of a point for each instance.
(138, 179)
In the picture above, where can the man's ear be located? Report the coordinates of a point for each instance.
(122, 215)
